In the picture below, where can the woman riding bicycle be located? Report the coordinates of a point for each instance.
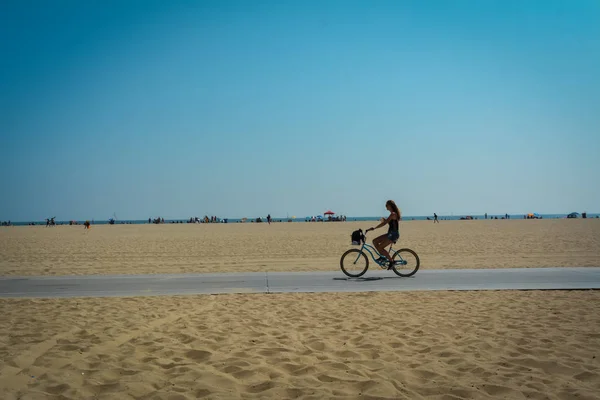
(383, 241)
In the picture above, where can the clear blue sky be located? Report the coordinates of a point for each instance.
(243, 108)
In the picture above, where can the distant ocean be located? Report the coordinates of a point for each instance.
(237, 220)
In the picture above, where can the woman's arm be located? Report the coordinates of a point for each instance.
(383, 223)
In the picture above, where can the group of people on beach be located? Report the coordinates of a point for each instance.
(192, 220)
(468, 217)
(206, 220)
(339, 218)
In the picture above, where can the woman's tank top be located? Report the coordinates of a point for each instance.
(393, 225)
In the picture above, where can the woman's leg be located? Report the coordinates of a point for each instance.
(380, 243)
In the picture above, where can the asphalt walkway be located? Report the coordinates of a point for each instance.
(285, 282)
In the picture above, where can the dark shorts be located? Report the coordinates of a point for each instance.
(393, 236)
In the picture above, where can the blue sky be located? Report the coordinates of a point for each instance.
(239, 108)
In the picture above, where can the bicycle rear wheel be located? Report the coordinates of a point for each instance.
(406, 262)
(354, 263)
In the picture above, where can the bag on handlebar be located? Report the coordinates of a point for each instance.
(357, 237)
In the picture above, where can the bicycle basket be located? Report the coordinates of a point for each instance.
(357, 237)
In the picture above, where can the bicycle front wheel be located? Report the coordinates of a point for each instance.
(406, 262)
(354, 263)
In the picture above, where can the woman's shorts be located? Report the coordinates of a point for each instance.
(393, 236)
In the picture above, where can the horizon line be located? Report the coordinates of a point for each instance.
(304, 218)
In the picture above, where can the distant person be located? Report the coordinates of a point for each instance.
(86, 225)
(381, 242)
(485, 215)
(47, 222)
(269, 219)
(435, 218)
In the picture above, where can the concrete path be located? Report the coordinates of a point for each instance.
(281, 282)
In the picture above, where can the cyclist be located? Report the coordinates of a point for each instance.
(383, 241)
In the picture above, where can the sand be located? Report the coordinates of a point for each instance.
(426, 345)
(422, 345)
(143, 249)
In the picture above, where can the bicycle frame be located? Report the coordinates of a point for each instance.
(368, 247)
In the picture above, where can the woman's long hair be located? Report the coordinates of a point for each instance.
(394, 207)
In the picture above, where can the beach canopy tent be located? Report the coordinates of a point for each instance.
(329, 212)
(573, 215)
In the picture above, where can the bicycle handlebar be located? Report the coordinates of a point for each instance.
(365, 234)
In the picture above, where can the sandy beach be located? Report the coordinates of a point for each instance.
(197, 248)
(422, 345)
(438, 345)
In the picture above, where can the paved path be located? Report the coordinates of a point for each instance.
(279, 282)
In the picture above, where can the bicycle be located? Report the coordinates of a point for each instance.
(405, 261)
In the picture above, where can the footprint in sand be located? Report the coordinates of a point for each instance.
(58, 389)
(273, 351)
(69, 347)
(238, 363)
(347, 354)
(261, 387)
(200, 393)
(294, 393)
(185, 338)
(231, 369)
(127, 372)
(328, 378)
(305, 370)
(495, 390)
(243, 374)
(426, 375)
(587, 376)
(198, 355)
(316, 345)
(454, 361)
